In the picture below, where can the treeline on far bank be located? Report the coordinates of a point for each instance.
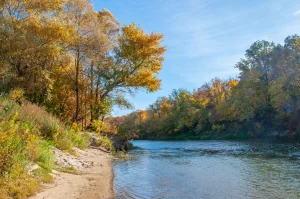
(264, 101)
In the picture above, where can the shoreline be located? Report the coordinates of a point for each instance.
(92, 179)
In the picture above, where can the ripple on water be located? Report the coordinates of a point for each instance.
(209, 169)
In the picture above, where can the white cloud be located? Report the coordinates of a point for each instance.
(297, 13)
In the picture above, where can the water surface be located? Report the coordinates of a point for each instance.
(209, 169)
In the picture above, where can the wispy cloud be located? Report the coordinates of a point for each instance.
(197, 31)
(297, 13)
(205, 38)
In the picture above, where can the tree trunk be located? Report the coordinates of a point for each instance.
(77, 62)
(91, 92)
(96, 114)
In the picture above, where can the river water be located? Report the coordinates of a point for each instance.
(209, 169)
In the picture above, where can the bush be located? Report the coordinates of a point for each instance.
(218, 128)
(27, 133)
(106, 143)
(52, 128)
(98, 126)
(18, 147)
(80, 140)
(17, 96)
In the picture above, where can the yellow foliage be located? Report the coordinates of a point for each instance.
(233, 83)
(16, 95)
(165, 106)
(146, 52)
(143, 115)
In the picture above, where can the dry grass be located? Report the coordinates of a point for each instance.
(27, 133)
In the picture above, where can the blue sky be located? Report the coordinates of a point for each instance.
(205, 38)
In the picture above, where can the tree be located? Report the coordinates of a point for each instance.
(264, 99)
(134, 63)
(255, 76)
(30, 34)
(105, 40)
(74, 60)
(81, 14)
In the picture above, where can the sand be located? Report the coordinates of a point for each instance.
(93, 181)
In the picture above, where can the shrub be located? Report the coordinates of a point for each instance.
(218, 128)
(20, 145)
(106, 143)
(27, 133)
(53, 129)
(80, 140)
(17, 96)
(98, 125)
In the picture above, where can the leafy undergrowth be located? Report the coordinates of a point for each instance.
(27, 135)
(106, 143)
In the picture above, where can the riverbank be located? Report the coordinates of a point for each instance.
(88, 174)
(211, 135)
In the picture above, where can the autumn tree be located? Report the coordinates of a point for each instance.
(81, 14)
(107, 32)
(263, 100)
(30, 34)
(133, 63)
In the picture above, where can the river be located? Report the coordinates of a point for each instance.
(209, 169)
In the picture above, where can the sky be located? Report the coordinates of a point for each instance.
(204, 38)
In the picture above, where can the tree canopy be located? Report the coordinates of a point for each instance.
(74, 60)
(263, 101)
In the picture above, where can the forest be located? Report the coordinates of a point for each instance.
(73, 60)
(262, 102)
(63, 66)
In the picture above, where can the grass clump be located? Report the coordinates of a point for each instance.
(106, 143)
(51, 128)
(71, 170)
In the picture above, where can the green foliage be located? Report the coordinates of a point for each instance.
(121, 155)
(51, 128)
(80, 140)
(265, 99)
(45, 155)
(20, 144)
(98, 125)
(106, 143)
(27, 135)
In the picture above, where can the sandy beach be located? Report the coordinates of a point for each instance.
(93, 178)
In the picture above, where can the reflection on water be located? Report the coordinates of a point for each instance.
(210, 169)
